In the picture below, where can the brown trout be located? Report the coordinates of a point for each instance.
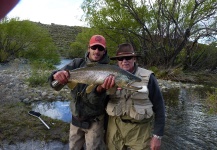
(94, 75)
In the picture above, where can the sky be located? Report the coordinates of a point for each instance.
(61, 12)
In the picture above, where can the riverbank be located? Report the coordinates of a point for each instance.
(19, 130)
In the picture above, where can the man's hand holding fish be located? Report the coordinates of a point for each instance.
(62, 77)
(108, 83)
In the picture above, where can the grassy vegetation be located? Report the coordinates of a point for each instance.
(211, 101)
(40, 73)
(17, 125)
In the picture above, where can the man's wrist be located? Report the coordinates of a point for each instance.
(157, 137)
(100, 89)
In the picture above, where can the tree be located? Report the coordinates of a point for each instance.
(26, 39)
(159, 30)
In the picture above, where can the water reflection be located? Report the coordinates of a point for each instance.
(188, 125)
(63, 62)
(57, 110)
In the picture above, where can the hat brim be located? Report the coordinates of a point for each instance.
(115, 57)
(97, 44)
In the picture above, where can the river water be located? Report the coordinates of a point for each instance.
(189, 126)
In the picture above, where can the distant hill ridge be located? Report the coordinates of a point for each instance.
(62, 35)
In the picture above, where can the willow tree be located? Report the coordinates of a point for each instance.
(160, 30)
(26, 39)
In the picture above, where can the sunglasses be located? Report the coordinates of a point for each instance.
(126, 58)
(100, 48)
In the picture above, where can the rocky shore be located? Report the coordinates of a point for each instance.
(14, 88)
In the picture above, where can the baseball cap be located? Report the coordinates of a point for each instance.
(97, 40)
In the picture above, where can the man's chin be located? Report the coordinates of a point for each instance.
(96, 58)
(126, 68)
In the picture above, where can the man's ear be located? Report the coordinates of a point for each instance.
(105, 51)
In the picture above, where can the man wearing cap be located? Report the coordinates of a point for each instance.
(131, 113)
(87, 109)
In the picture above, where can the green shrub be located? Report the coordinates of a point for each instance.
(154, 69)
(41, 65)
(77, 50)
(159, 73)
(38, 78)
(3, 56)
(40, 73)
(211, 101)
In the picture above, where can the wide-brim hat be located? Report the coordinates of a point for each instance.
(125, 50)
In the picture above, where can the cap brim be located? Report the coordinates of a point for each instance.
(115, 57)
(97, 44)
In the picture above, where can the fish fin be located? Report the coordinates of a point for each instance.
(143, 89)
(132, 88)
(111, 91)
(71, 84)
(90, 88)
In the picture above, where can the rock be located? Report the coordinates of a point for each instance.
(43, 94)
(26, 101)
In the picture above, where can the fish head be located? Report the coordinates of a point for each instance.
(126, 81)
(134, 78)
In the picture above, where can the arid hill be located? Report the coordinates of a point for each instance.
(62, 35)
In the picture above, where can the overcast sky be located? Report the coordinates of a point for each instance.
(62, 12)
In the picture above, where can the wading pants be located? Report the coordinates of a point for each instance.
(92, 137)
(121, 134)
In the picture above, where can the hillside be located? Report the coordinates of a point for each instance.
(62, 35)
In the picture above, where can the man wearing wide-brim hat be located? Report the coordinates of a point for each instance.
(124, 52)
(131, 113)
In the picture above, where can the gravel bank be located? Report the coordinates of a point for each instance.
(14, 88)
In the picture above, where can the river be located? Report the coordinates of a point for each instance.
(188, 124)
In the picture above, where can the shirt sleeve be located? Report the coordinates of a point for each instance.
(157, 100)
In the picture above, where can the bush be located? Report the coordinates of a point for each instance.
(40, 73)
(38, 78)
(26, 39)
(76, 50)
(212, 102)
(3, 56)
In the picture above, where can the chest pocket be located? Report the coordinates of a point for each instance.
(114, 106)
(141, 107)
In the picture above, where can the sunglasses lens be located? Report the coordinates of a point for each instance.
(120, 59)
(100, 48)
(126, 58)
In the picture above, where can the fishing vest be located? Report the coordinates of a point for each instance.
(131, 104)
